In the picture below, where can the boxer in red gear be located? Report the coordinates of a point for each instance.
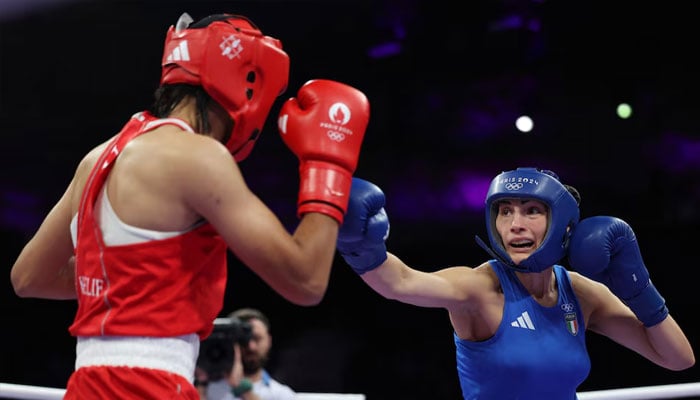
(141, 234)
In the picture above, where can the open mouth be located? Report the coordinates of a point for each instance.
(522, 244)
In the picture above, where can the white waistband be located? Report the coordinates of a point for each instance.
(173, 354)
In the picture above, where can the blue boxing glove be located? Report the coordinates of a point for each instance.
(365, 228)
(605, 249)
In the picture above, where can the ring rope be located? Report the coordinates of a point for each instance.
(673, 391)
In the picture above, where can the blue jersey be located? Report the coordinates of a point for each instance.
(536, 353)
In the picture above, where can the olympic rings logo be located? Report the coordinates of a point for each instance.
(514, 186)
(567, 307)
(335, 136)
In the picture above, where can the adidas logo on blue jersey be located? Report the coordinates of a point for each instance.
(523, 321)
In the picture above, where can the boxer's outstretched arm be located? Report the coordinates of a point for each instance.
(361, 242)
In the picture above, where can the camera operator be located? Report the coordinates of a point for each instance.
(244, 376)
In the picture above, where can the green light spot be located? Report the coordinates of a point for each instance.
(624, 111)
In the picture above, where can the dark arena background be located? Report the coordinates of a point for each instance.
(446, 82)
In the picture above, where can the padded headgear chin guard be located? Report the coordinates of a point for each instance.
(239, 67)
(544, 186)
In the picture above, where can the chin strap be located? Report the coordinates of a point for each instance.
(493, 254)
(488, 249)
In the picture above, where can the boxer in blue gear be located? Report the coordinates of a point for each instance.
(520, 318)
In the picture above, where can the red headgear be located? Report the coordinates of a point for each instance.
(239, 67)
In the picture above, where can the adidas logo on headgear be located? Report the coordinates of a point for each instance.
(180, 53)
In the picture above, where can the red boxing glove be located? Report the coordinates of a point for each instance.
(324, 126)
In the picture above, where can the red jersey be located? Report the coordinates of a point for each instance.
(158, 288)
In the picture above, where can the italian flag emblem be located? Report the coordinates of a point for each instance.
(571, 323)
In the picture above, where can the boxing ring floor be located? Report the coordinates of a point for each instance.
(674, 391)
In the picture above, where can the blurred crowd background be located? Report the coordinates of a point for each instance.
(446, 82)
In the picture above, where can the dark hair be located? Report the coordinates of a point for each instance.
(167, 97)
(246, 314)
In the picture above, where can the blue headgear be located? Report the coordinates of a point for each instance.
(542, 185)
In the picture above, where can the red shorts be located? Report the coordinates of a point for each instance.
(128, 383)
